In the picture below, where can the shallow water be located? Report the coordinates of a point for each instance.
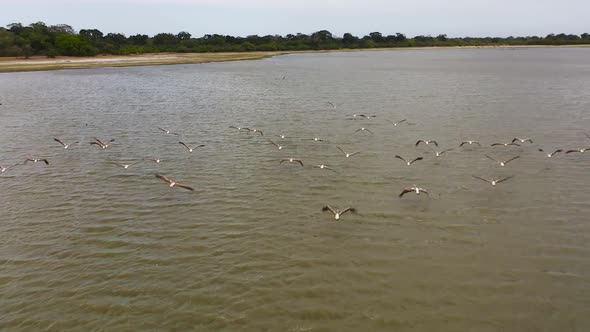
(87, 245)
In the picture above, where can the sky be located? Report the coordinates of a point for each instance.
(455, 18)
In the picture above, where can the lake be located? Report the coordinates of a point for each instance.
(88, 245)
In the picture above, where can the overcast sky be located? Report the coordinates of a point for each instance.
(247, 17)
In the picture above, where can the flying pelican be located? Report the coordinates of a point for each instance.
(438, 154)
(36, 161)
(256, 131)
(505, 144)
(426, 142)
(415, 189)
(125, 166)
(168, 131)
(549, 155)
(240, 128)
(395, 123)
(101, 144)
(522, 140)
(493, 181)
(363, 129)
(408, 162)
(347, 155)
(323, 167)
(337, 214)
(275, 144)
(193, 148)
(502, 163)
(172, 183)
(579, 150)
(469, 142)
(291, 160)
(63, 144)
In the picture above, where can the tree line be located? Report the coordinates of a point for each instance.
(53, 40)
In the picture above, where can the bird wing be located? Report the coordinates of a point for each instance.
(355, 153)
(400, 157)
(511, 159)
(419, 158)
(162, 129)
(504, 179)
(400, 121)
(514, 140)
(339, 148)
(477, 177)
(435, 143)
(475, 142)
(184, 186)
(186, 146)
(234, 127)
(163, 178)
(99, 142)
(405, 191)
(283, 160)
(329, 208)
(496, 144)
(463, 143)
(358, 130)
(299, 161)
(528, 139)
(447, 150)
(570, 151)
(273, 143)
(348, 209)
(60, 142)
(419, 141)
(491, 158)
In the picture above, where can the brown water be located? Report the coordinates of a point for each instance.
(87, 245)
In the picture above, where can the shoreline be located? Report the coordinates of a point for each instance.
(42, 63)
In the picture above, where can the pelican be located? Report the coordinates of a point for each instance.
(415, 189)
(493, 181)
(505, 144)
(347, 155)
(101, 144)
(275, 144)
(522, 140)
(172, 183)
(125, 166)
(427, 142)
(291, 160)
(256, 131)
(240, 128)
(337, 214)
(323, 167)
(63, 144)
(438, 154)
(363, 129)
(502, 163)
(36, 161)
(408, 162)
(549, 155)
(579, 150)
(168, 131)
(469, 142)
(395, 123)
(193, 148)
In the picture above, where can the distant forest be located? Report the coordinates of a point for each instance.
(53, 40)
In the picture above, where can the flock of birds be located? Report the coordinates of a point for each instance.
(517, 141)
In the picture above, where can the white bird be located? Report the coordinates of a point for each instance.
(415, 189)
(395, 123)
(505, 144)
(191, 149)
(315, 139)
(438, 154)
(291, 160)
(426, 142)
(469, 142)
(347, 155)
(323, 167)
(125, 166)
(502, 163)
(337, 214)
(363, 129)
(549, 155)
(36, 161)
(275, 144)
(240, 128)
(173, 183)
(63, 144)
(100, 144)
(168, 131)
(408, 162)
(578, 150)
(493, 181)
(522, 140)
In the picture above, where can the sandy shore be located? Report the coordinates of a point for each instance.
(12, 64)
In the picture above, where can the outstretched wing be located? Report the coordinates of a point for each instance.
(491, 158)
(58, 141)
(328, 208)
(99, 142)
(400, 157)
(299, 161)
(348, 209)
(511, 159)
(419, 158)
(477, 177)
(339, 148)
(504, 179)
(163, 178)
(420, 141)
(186, 146)
(184, 186)
(405, 191)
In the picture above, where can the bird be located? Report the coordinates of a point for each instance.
(579, 150)
(5, 168)
(354, 116)
(275, 144)
(549, 155)
(493, 181)
(502, 163)
(173, 183)
(415, 189)
(125, 166)
(291, 160)
(426, 142)
(168, 131)
(323, 167)
(408, 162)
(331, 104)
(64, 144)
(469, 142)
(337, 213)
(347, 155)
(395, 123)
(438, 154)
(240, 128)
(193, 148)
(363, 129)
(315, 139)
(368, 117)
(256, 131)
(36, 161)
(522, 140)
(505, 144)
(100, 144)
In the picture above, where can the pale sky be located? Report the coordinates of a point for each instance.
(456, 18)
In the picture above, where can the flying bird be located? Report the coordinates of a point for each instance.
(469, 142)
(100, 144)
(579, 150)
(368, 117)
(426, 142)
(168, 131)
(191, 149)
(5, 168)
(125, 166)
(438, 154)
(395, 123)
(493, 182)
(36, 161)
(522, 140)
(64, 144)
(275, 144)
(347, 155)
(354, 116)
(363, 129)
(291, 160)
(256, 131)
(408, 162)
(331, 104)
(240, 128)
(315, 139)
(415, 189)
(502, 163)
(323, 167)
(505, 144)
(173, 183)
(549, 155)
(337, 214)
